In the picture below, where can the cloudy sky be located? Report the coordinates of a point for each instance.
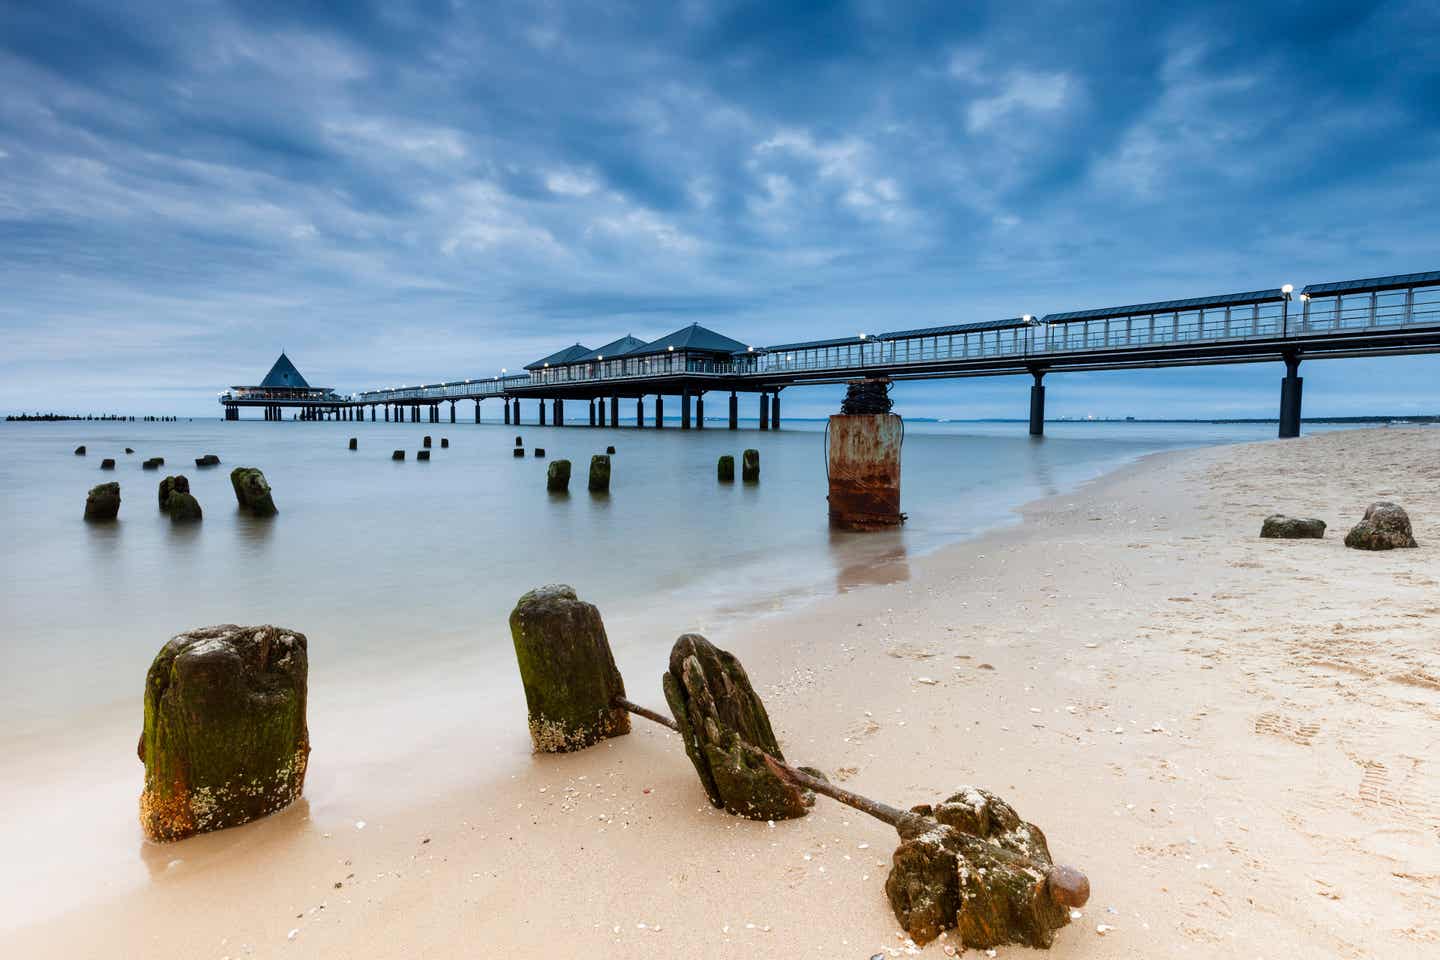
(407, 192)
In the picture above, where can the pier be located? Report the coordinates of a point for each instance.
(1384, 316)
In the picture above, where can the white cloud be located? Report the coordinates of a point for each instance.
(569, 183)
(1024, 92)
(846, 164)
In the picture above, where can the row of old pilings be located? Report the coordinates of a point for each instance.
(605, 411)
(749, 467)
(252, 495)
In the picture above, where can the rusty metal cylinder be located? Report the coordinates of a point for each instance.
(864, 469)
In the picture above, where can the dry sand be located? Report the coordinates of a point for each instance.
(1236, 739)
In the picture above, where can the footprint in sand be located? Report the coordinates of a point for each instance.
(1287, 728)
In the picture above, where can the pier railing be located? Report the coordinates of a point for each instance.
(1270, 316)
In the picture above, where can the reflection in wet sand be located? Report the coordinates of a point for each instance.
(873, 565)
(165, 860)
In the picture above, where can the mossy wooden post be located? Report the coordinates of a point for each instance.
(727, 733)
(103, 502)
(252, 493)
(540, 452)
(182, 507)
(600, 473)
(422, 455)
(725, 469)
(398, 455)
(107, 464)
(175, 484)
(354, 443)
(225, 739)
(557, 476)
(570, 679)
(750, 466)
(427, 443)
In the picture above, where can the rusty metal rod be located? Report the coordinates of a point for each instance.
(647, 713)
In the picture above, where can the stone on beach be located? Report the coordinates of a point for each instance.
(170, 485)
(1385, 526)
(727, 733)
(600, 473)
(568, 672)
(1280, 527)
(225, 738)
(750, 466)
(252, 492)
(1003, 889)
(725, 469)
(182, 506)
(103, 502)
(557, 476)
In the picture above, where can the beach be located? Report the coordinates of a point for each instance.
(1234, 737)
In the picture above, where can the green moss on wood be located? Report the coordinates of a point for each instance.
(600, 473)
(252, 492)
(103, 502)
(557, 476)
(750, 466)
(725, 469)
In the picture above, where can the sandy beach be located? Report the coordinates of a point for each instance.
(1234, 737)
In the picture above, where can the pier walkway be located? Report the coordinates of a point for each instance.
(1373, 317)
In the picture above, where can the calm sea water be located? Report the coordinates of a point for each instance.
(382, 563)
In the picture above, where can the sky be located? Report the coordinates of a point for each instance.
(399, 193)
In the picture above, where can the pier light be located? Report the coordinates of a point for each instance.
(1288, 289)
(1305, 297)
(1026, 318)
(749, 349)
(862, 336)
(671, 348)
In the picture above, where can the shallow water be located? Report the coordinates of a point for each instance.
(376, 560)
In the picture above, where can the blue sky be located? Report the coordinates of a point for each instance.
(400, 193)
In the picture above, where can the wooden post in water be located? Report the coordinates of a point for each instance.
(864, 459)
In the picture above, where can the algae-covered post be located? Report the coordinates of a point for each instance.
(398, 455)
(422, 455)
(107, 464)
(557, 477)
(354, 443)
(427, 443)
(519, 452)
(568, 672)
(252, 493)
(540, 452)
(182, 506)
(727, 732)
(600, 473)
(725, 469)
(103, 502)
(225, 739)
(750, 466)
(170, 485)
(444, 443)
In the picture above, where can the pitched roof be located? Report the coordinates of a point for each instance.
(569, 355)
(615, 348)
(284, 374)
(1374, 284)
(1169, 306)
(694, 338)
(952, 328)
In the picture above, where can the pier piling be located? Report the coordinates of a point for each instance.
(764, 411)
(1290, 389)
(1037, 404)
(734, 411)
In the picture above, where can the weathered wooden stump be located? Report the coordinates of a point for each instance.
(725, 469)
(154, 463)
(1277, 526)
(129, 450)
(170, 485)
(183, 507)
(444, 443)
(1385, 526)
(423, 455)
(80, 450)
(398, 455)
(750, 466)
(225, 739)
(610, 449)
(252, 493)
(519, 452)
(354, 443)
(557, 476)
(103, 502)
(209, 460)
(427, 443)
(570, 679)
(600, 473)
(107, 464)
(863, 468)
(727, 733)
(519, 442)
(540, 452)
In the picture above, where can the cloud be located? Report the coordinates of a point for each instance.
(1023, 92)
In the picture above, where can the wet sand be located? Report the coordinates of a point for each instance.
(1235, 738)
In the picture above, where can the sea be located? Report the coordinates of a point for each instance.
(402, 574)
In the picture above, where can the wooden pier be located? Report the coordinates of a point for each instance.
(1382, 316)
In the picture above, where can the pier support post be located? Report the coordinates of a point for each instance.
(592, 411)
(542, 413)
(734, 411)
(559, 413)
(615, 411)
(372, 413)
(764, 411)
(775, 411)
(1290, 397)
(452, 412)
(506, 401)
(387, 413)
(1037, 404)
(659, 411)
(700, 412)
(477, 411)
(600, 420)
(684, 409)
(864, 460)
